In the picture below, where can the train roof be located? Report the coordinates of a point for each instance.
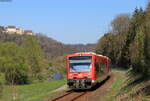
(86, 53)
(92, 53)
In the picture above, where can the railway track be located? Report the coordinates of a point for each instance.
(70, 96)
(86, 95)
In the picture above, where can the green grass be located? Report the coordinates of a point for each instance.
(31, 92)
(115, 88)
(119, 91)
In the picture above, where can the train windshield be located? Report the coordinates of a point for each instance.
(80, 64)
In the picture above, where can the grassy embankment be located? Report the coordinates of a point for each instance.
(31, 92)
(116, 86)
(128, 88)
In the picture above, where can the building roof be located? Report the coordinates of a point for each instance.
(28, 31)
(11, 27)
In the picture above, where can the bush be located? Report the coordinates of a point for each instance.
(13, 63)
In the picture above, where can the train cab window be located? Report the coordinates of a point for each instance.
(80, 64)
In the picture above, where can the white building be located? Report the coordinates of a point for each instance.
(10, 29)
(19, 31)
(28, 32)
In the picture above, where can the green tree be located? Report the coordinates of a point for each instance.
(112, 43)
(135, 22)
(128, 44)
(34, 53)
(137, 52)
(58, 65)
(105, 46)
(147, 39)
(140, 57)
(13, 63)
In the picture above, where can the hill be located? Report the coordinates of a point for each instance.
(51, 47)
(84, 47)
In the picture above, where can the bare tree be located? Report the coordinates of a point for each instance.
(120, 24)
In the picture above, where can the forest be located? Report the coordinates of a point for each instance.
(128, 42)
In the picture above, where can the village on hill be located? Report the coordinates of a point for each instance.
(16, 30)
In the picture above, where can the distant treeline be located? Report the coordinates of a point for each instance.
(51, 47)
(128, 42)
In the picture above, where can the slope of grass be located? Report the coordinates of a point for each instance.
(31, 92)
(136, 88)
(116, 86)
(128, 88)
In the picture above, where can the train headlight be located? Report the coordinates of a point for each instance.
(70, 75)
(89, 75)
(80, 75)
(93, 81)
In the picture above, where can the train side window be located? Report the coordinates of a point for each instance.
(103, 68)
(109, 65)
(97, 68)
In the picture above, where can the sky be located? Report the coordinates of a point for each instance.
(67, 21)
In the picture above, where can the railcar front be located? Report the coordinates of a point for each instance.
(80, 70)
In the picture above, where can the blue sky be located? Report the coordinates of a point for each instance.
(68, 21)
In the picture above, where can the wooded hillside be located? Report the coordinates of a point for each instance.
(128, 43)
(51, 47)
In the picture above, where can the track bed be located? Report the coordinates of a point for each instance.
(93, 94)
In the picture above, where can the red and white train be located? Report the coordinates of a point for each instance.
(85, 69)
